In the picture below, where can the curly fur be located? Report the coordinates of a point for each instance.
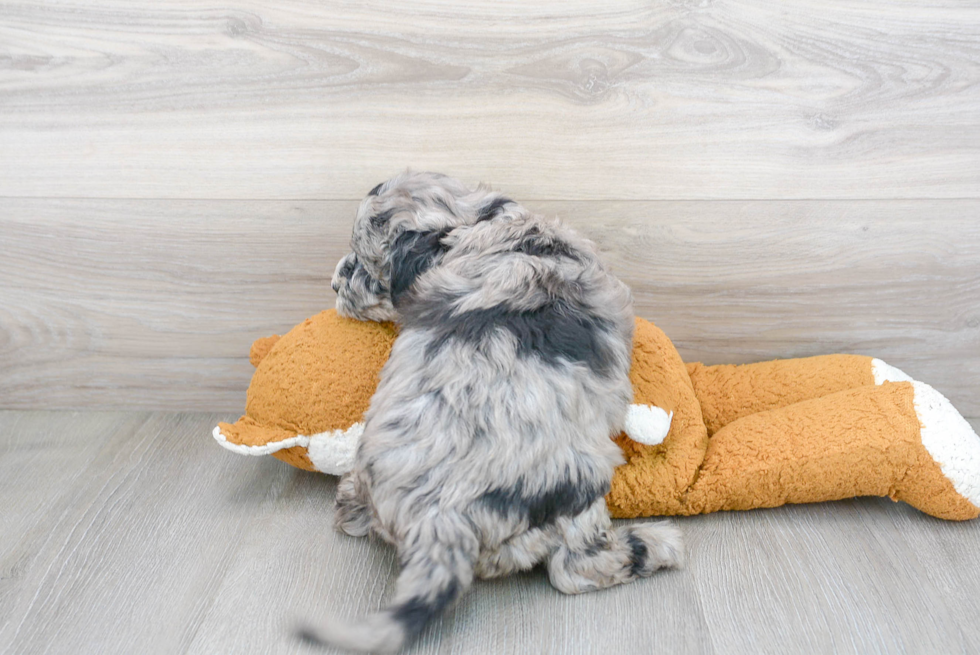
(486, 449)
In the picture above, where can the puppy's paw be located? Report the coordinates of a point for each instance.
(655, 546)
(351, 514)
(353, 524)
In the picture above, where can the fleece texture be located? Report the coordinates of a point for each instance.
(318, 378)
(737, 437)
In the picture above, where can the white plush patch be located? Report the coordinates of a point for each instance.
(885, 373)
(264, 449)
(647, 424)
(950, 440)
(333, 452)
(330, 452)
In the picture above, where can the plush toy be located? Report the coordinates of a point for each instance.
(698, 438)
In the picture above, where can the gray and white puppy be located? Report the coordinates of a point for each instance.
(486, 449)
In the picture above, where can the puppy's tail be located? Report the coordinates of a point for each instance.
(430, 581)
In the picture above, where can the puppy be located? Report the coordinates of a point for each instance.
(486, 449)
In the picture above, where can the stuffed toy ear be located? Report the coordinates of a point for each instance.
(260, 348)
(412, 254)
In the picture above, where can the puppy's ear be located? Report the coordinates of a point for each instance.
(492, 209)
(413, 253)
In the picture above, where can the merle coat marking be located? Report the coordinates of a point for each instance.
(486, 449)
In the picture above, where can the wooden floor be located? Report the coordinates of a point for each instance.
(134, 533)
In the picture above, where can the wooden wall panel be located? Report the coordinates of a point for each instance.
(557, 99)
(153, 303)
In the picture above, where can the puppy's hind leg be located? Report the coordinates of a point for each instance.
(595, 555)
(521, 553)
(352, 513)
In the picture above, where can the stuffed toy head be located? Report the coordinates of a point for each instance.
(697, 438)
(310, 390)
(311, 387)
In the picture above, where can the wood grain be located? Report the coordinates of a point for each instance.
(552, 99)
(108, 296)
(128, 559)
(44, 459)
(134, 533)
(153, 304)
(846, 577)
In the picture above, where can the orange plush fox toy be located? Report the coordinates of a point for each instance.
(697, 438)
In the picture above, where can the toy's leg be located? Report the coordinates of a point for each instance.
(897, 439)
(352, 512)
(729, 392)
(594, 555)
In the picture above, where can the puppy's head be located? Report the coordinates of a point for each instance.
(399, 233)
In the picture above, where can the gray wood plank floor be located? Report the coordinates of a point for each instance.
(133, 533)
